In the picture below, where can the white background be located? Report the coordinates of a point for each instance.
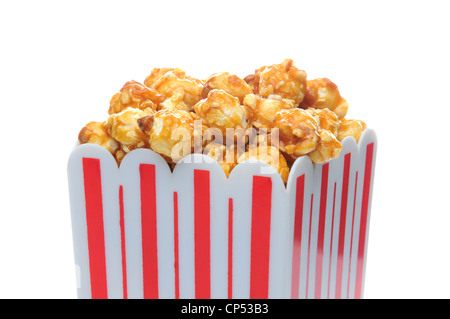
(61, 61)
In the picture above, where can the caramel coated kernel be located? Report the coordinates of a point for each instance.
(327, 149)
(284, 80)
(157, 73)
(97, 133)
(298, 132)
(124, 128)
(222, 110)
(176, 82)
(119, 155)
(175, 102)
(326, 119)
(322, 93)
(349, 127)
(134, 94)
(169, 132)
(230, 83)
(263, 110)
(252, 80)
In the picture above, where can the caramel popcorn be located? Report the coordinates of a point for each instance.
(265, 109)
(157, 73)
(270, 155)
(175, 102)
(298, 132)
(222, 110)
(327, 148)
(123, 127)
(119, 155)
(326, 119)
(177, 82)
(282, 79)
(169, 132)
(134, 94)
(350, 127)
(253, 80)
(96, 132)
(225, 156)
(275, 115)
(322, 93)
(230, 83)
(203, 134)
(264, 138)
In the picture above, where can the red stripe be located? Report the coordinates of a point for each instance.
(321, 234)
(122, 240)
(342, 222)
(298, 220)
(202, 234)
(351, 236)
(230, 248)
(331, 242)
(364, 215)
(175, 234)
(260, 237)
(309, 245)
(148, 224)
(94, 224)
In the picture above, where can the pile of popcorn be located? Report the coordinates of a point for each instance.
(274, 115)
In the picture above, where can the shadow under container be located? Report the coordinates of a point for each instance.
(144, 231)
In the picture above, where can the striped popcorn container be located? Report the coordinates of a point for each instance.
(145, 231)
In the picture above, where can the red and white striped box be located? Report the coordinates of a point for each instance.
(143, 231)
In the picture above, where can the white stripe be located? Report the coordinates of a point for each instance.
(367, 138)
(302, 166)
(111, 216)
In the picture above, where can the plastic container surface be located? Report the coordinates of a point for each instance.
(143, 231)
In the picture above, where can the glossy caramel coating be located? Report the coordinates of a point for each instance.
(176, 82)
(350, 127)
(322, 93)
(175, 102)
(263, 110)
(124, 128)
(169, 132)
(97, 133)
(298, 132)
(327, 149)
(326, 119)
(230, 83)
(136, 95)
(275, 110)
(157, 73)
(119, 155)
(223, 111)
(283, 79)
